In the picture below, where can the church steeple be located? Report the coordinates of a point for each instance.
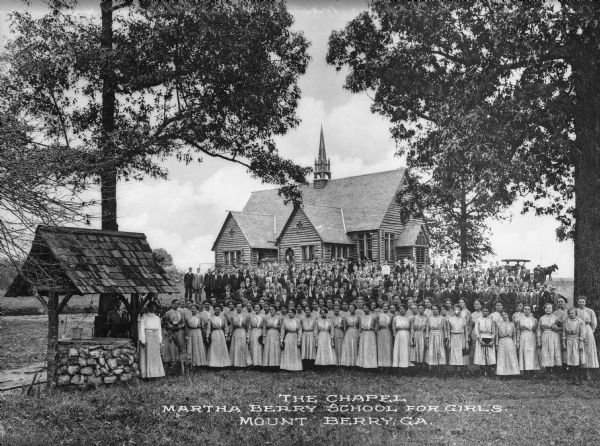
(322, 165)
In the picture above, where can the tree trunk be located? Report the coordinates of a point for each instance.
(52, 338)
(587, 178)
(108, 175)
(464, 248)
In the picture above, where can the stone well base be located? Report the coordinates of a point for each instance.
(96, 362)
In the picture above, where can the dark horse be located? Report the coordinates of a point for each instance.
(546, 272)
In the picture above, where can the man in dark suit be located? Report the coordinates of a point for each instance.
(188, 284)
(118, 320)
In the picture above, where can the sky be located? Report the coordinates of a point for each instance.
(184, 214)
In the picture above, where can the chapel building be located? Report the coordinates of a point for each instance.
(352, 218)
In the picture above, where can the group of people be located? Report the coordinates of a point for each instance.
(319, 317)
(347, 279)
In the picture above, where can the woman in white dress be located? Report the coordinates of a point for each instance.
(196, 349)
(338, 333)
(574, 343)
(367, 344)
(271, 344)
(588, 317)
(291, 335)
(401, 331)
(548, 340)
(324, 340)
(217, 332)
(418, 329)
(351, 334)
(457, 339)
(255, 335)
(507, 362)
(526, 345)
(485, 333)
(150, 341)
(385, 342)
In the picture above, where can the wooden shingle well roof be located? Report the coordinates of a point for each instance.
(90, 261)
(364, 199)
(409, 234)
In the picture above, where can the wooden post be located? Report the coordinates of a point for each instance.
(52, 338)
(134, 312)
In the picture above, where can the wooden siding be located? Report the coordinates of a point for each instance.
(295, 238)
(229, 241)
(374, 243)
(391, 224)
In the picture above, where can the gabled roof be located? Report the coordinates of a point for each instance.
(364, 199)
(259, 229)
(90, 261)
(328, 222)
(410, 232)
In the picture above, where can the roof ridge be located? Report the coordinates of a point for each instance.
(323, 205)
(252, 213)
(72, 230)
(342, 178)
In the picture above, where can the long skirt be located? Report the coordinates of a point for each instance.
(350, 348)
(325, 354)
(507, 362)
(256, 348)
(238, 349)
(457, 343)
(290, 357)
(196, 348)
(218, 356)
(338, 343)
(173, 344)
(271, 349)
(589, 349)
(484, 355)
(151, 365)
(528, 355)
(367, 351)
(309, 346)
(436, 352)
(401, 353)
(550, 354)
(385, 347)
(417, 351)
(573, 356)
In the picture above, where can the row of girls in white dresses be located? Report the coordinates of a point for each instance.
(387, 338)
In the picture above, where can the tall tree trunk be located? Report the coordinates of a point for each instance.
(108, 175)
(52, 338)
(463, 233)
(587, 167)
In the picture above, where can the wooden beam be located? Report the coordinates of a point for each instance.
(52, 338)
(64, 302)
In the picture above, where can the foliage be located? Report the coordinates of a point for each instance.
(512, 85)
(162, 257)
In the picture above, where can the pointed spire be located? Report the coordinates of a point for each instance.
(322, 154)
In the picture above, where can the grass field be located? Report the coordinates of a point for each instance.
(532, 412)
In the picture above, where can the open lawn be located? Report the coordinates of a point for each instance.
(550, 412)
(24, 339)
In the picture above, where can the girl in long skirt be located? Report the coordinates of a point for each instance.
(271, 343)
(561, 315)
(367, 344)
(401, 330)
(548, 340)
(308, 344)
(195, 340)
(255, 321)
(457, 339)
(528, 355)
(324, 340)
(385, 343)
(150, 340)
(338, 333)
(485, 332)
(291, 335)
(466, 315)
(588, 317)
(217, 331)
(574, 342)
(507, 362)
(475, 316)
(351, 334)
(238, 349)
(418, 329)
(435, 338)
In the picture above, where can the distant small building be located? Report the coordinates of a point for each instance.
(355, 217)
